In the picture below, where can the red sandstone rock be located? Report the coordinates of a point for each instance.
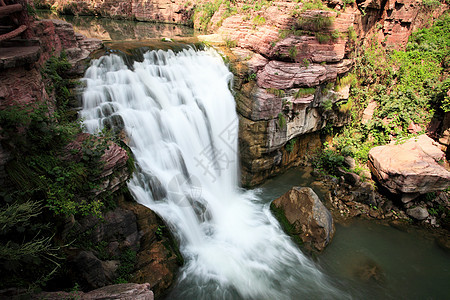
(284, 75)
(114, 159)
(411, 167)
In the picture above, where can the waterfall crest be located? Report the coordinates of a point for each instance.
(179, 116)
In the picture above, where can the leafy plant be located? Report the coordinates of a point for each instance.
(127, 262)
(302, 92)
(290, 145)
(259, 20)
(276, 92)
(327, 104)
(328, 160)
(281, 121)
(293, 52)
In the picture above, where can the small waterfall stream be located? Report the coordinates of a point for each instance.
(179, 115)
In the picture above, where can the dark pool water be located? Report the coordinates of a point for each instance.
(372, 260)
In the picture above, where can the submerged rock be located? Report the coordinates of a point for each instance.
(368, 270)
(304, 216)
(410, 168)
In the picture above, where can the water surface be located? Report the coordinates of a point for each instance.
(118, 30)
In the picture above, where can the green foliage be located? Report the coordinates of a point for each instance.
(230, 43)
(352, 34)
(304, 92)
(407, 86)
(293, 52)
(259, 20)
(205, 12)
(431, 4)
(30, 10)
(281, 121)
(314, 23)
(327, 104)
(126, 267)
(42, 169)
(314, 5)
(306, 62)
(276, 92)
(290, 145)
(328, 160)
(252, 76)
(160, 231)
(27, 254)
(322, 38)
(54, 70)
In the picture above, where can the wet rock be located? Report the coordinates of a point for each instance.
(91, 270)
(410, 168)
(158, 259)
(352, 178)
(418, 213)
(124, 291)
(306, 217)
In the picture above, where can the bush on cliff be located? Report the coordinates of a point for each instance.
(43, 182)
(407, 86)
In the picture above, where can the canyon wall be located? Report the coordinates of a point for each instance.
(179, 12)
(289, 58)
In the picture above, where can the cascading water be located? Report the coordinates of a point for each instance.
(179, 116)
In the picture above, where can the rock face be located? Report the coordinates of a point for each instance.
(307, 217)
(411, 168)
(115, 172)
(21, 82)
(171, 11)
(124, 291)
(129, 227)
(280, 52)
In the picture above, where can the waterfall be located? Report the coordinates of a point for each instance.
(180, 121)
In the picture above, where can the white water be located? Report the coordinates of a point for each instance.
(179, 115)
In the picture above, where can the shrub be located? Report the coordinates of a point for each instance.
(315, 23)
(328, 160)
(304, 92)
(259, 20)
(276, 92)
(281, 121)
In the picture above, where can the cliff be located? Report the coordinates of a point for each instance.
(290, 60)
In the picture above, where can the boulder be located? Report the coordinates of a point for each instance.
(418, 213)
(124, 291)
(410, 168)
(303, 215)
(91, 270)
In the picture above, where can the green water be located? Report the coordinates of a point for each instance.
(407, 265)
